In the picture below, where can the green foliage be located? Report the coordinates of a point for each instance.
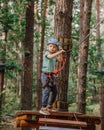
(12, 20)
(93, 58)
(90, 109)
(12, 101)
(73, 107)
(2, 51)
(52, 2)
(12, 64)
(93, 109)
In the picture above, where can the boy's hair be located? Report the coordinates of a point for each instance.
(53, 41)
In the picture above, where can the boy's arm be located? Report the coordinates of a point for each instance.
(56, 54)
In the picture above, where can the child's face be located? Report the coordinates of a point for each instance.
(52, 48)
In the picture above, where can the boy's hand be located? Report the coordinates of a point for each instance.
(62, 50)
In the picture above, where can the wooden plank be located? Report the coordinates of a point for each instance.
(24, 117)
(67, 115)
(34, 124)
(63, 123)
(17, 123)
(57, 113)
(27, 112)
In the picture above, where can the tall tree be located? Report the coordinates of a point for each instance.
(1, 84)
(98, 42)
(85, 16)
(26, 90)
(40, 57)
(62, 32)
(3, 57)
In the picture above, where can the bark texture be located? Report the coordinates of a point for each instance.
(85, 11)
(62, 29)
(40, 57)
(101, 86)
(26, 91)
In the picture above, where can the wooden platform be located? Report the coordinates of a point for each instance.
(34, 119)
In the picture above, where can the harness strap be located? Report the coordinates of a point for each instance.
(47, 82)
(62, 67)
(49, 75)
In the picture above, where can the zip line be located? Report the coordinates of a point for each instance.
(91, 31)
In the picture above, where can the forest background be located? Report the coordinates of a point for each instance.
(25, 27)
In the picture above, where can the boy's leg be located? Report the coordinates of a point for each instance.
(45, 96)
(46, 90)
(53, 96)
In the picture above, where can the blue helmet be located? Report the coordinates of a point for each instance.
(53, 41)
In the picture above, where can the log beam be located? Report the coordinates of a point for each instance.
(64, 123)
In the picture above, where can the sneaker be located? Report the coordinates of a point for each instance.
(44, 111)
(50, 109)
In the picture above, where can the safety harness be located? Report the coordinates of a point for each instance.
(50, 76)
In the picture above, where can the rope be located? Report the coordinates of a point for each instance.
(45, 123)
(76, 119)
(62, 67)
(91, 31)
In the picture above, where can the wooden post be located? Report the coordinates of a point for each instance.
(91, 127)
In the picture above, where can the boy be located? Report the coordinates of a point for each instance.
(51, 56)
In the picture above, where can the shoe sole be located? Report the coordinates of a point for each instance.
(44, 113)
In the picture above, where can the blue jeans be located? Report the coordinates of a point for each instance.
(50, 90)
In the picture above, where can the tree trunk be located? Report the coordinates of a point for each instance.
(40, 58)
(1, 84)
(85, 11)
(62, 32)
(101, 89)
(101, 101)
(26, 90)
(2, 59)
